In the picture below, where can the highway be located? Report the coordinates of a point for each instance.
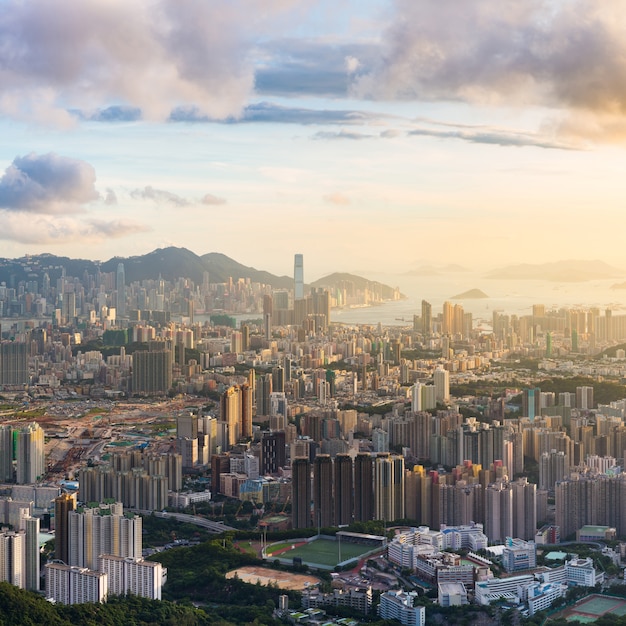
(214, 527)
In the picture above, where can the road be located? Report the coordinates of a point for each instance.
(214, 527)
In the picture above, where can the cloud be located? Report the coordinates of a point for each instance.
(269, 112)
(160, 196)
(47, 183)
(494, 137)
(557, 54)
(46, 229)
(147, 54)
(212, 200)
(110, 198)
(337, 198)
(342, 134)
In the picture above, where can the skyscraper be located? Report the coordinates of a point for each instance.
(388, 487)
(344, 489)
(13, 363)
(427, 318)
(363, 488)
(6, 454)
(298, 277)
(301, 493)
(63, 504)
(152, 369)
(31, 553)
(121, 291)
(323, 491)
(441, 378)
(31, 462)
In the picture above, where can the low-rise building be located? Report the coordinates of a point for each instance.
(399, 605)
(452, 594)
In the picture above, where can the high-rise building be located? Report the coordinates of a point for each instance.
(31, 553)
(388, 487)
(121, 291)
(441, 379)
(298, 277)
(6, 454)
(63, 504)
(498, 512)
(584, 398)
(272, 452)
(363, 487)
(524, 509)
(31, 462)
(323, 509)
(103, 530)
(12, 558)
(268, 310)
(152, 369)
(231, 412)
(300, 493)
(13, 363)
(344, 489)
(247, 411)
(427, 318)
(134, 576)
(75, 585)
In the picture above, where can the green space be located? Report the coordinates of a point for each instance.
(326, 552)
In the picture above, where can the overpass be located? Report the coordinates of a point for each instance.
(211, 526)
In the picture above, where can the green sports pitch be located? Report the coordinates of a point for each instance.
(324, 552)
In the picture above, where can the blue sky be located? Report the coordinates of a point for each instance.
(377, 135)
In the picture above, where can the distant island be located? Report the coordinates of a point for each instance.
(618, 286)
(572, 271)
(430, 270)
(472, 294)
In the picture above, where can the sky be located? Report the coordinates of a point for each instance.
(368, 135)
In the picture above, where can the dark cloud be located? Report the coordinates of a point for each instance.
(47, 183)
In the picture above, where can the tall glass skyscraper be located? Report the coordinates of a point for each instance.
(298, 277)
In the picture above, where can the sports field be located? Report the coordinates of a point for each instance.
(321, 551)
(592, 607)
(264, 576)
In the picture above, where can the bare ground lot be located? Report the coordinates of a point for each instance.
(284, 580)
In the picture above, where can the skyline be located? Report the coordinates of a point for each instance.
(371, 137)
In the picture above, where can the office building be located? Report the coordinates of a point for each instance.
(298, 277)
(427, 318)
(132, 576)
(74, 585)
(301, 493)
(121, 291)
(31, 461)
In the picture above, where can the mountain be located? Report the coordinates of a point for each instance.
(220, 267)
(352, 283)
(562, 271)
(431, 270)
(472, 294)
